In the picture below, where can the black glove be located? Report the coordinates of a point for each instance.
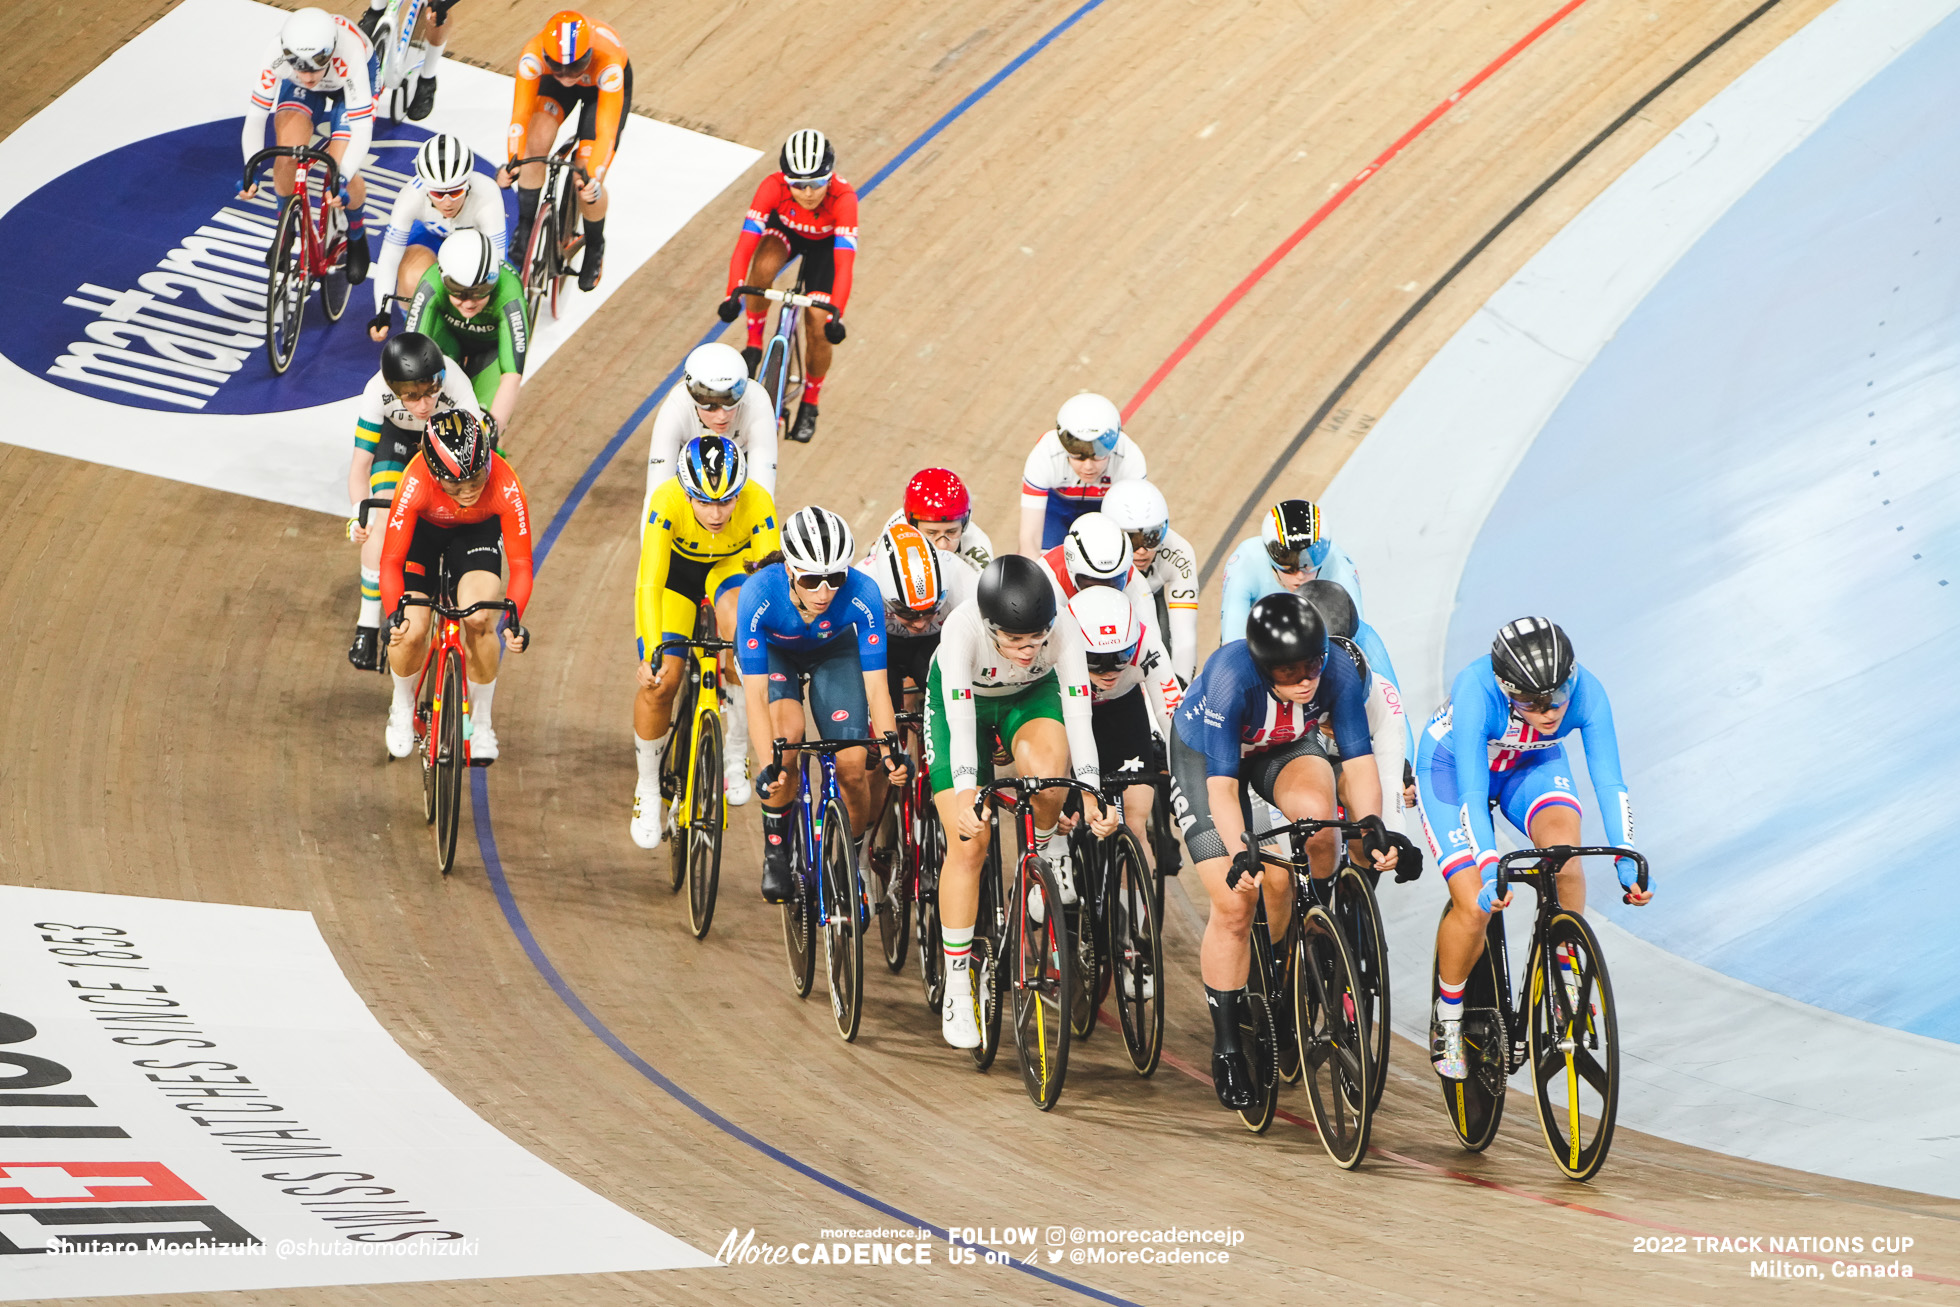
(898, 758)
(729, 309)
(1374, 837)
(382, 320)
(1408, 859)
(833, 331)
(766, 779)
(1160, 760)
(1247, 863)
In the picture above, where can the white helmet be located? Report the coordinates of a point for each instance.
(817, 540)
(467, 259)
(307, 39)
(444, 162)
(1096, 552)
(715, 374)
(1110, 630)
(807, 154)
(1138, 507)
(1088, 426)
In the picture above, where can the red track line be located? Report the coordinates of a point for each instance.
(1178, 1064)
(1339, 198)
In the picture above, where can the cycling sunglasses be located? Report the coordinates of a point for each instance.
(1077, 448)
(1542, 703)
(818, 580)
(310, 63)
(1146, 539)
(808, 183)
(454, 192)
(1287, 561)
(1103, 663)
(1306, 672)
(477, 292)
(449, 482)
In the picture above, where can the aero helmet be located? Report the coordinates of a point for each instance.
(1016, 597)
(1110, 630)
(1096, 552)
(913, 565)
(1284, 628)
(715, 375)
(1089, 426)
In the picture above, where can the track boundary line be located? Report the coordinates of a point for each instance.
(1423, 301)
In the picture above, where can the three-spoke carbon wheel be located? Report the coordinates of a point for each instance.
(286, 284)
(1041, 980)
(932, 959)
(1476, 1103)
(800, 913)
(888, 877)
(449, 758)
(1574, 1045)
(1135, 950)
(990, 957)
(1360, 918)
(1334, 1055)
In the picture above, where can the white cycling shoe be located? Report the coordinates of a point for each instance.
(401, 730)
(736, 782)
(1129, 985)
(646, 814)
(483, 744)
(957, 1020)
(1446, 1049)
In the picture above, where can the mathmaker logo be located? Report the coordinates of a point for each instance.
(144, 281)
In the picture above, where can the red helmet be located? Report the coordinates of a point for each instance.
(936, 495)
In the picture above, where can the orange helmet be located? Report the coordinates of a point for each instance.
(914, 566)
(568, 43)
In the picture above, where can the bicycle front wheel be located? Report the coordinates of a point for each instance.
(1136, 951)
(844, 923)
(800, 913)
(888, 870)
(676, 786)
(1360, 918)
(1088, 981)
(425, 745)
(990, 957)
(706, 817)
(1258, 1035)
(1333, 1045)
(1476, 1103)
(286, 285)
(932, 958)
(774, 376)
(537, 263)
(449, 758)
(1574, 1038)
(571, 239)
(1042, 982)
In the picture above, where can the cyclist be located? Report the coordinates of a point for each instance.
(702, 526)
(435, 40)
(1123, 653)
(1167, 561)
(791, 625)
(321, 70)
(416, 381)
(1072, 467)
(714, 399)
(1248, 725)
(446, 196)
(1289, 552)
(1005, 670)
(573, 65)
(1497, 742)
(472, 304)
(921, 585)
(803, 209)
(1388, 723)
(1094, 552)
(937, 503)
(460, 502)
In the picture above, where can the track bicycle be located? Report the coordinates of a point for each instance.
(691, 777)
(1322, 1029)
(1567, 1029)
(783, 359)
(1118, 938)
(557, 233)
(400, 54)
(902, 855)
(309, 249)
(442, 708)
(829, 892)
(1029, 946)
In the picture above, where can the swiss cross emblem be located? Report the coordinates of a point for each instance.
(92, 1182)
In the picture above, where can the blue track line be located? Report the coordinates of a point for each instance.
(486, 835)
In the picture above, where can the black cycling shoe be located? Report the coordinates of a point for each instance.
(752, 355)
(591, 265)
(1232, 1081)
(778, 886)
(357, 260)
(424, 101)
(365, 652)
(806, 423)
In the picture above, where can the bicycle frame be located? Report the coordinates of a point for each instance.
(546, 266)
(395, 65)
(704, 678)
(781, 351)
(314, 229)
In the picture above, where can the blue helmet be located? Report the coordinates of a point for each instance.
(712, 469)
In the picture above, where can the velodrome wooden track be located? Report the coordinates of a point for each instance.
(180, 720)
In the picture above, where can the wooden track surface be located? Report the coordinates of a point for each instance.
(181, 720)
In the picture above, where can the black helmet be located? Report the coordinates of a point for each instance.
(1284, 628)
(1016, 596)
(455, 446)
(1335, 606)
(1532, 659)
(411, 356)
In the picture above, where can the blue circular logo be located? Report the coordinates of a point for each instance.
(139, 279)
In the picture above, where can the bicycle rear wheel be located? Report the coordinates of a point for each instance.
(425, 725)
(674, 779)
(843, 937)
(1333, 1045)
(449, 758)
(800, 913)
(1257, 1019)
(888, 876)
(1041, 981)
(989, 956)
(1083, 920)
(772, 375)
(334, 286)
(286, 285)
(932, 959)
(1360, 918)
(706, 817)
(571, 239)
(1476, 1103)
(1135, 951)
(1574, 1038)
(537, 263)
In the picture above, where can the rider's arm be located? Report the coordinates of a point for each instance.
(1594, 721)
(483, 209)
(1473, 706)
(1337, 566)
(265, 92)
(359, 470)
(423, 313)
(1176, 559)
(844, 245)
(1160, 690)
(524, 97)
(1388, 728)
(394, 244)
(976, 546)
(671, 423)
(961, 643)
(656, 554)
(513, 332)
(769, 193)
(611, 106)
(755, 418)
(350, 53)
(1235, 603)
(1037, 476)
(1126, 461)
(1371, 645)
(516, 515)
(864, 608)
(1072, 672)
(410, 495)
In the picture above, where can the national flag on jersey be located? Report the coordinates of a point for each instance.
(92, 1182)
(960, 696)
(1077, 691)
